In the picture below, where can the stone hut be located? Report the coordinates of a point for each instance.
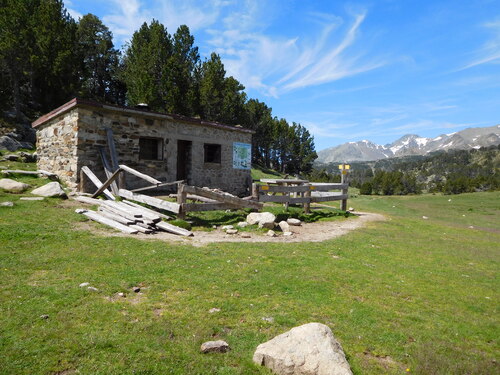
(165, 146)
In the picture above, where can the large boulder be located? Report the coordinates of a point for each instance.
(263, 219)
(310, 349)
(12, 186)
(52, 189)
(8, 143)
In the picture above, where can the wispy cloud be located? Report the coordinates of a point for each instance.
(490, 52)
(73, 12)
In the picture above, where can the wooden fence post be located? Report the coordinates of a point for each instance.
(255, 192)
(181, 199)
(307, 194)
(344, 179)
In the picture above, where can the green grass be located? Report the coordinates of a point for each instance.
(404, 293)
(259, 172)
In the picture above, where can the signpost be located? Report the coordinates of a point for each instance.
(344, 179)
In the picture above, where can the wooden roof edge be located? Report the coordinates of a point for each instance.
(130, 110)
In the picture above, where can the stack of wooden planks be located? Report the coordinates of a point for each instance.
(128, 217)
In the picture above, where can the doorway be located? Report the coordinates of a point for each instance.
(184, 160)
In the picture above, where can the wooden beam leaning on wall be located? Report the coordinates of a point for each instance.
(95, 180)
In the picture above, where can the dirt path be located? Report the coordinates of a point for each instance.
(312, 232)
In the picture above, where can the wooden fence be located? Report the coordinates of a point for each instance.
(304, 193)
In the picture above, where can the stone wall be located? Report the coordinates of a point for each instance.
(88, 132)
(57, 148)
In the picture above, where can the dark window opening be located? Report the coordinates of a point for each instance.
(212, 153)
(150, 149)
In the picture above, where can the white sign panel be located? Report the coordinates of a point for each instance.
(242, 155)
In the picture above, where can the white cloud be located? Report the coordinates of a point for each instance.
(73, 12)
(490, 52)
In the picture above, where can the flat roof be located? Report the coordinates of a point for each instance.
(77, 102)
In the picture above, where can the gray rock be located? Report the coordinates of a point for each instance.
(7, 204)
(232, 231)
(226, 227)
(294, 222)
(310, 349)
(271, 233)
(52, 189)
(285, 227)
(11, 157)
(218, 346)
(245, 235)
(91, 288)
(242, 224)
(31, 198)
(27, 157)
(44, 316)
(12, 186)
(287, 234)
(10, 144)
(214, 310)
(83, 285)
(263, 219)
(269, 319)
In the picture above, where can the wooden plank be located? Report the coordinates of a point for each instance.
(330, 198)
(300, 188)
(107, 168)
(282, 199)
(95, 180)
(121, 213)
(140, 175)
(106, 221)
(151, 216)
(147, 209)
(104, 211)
(155, 202)
(108, 182)
(174, 229)
(141, 229)
(328, 187)
(112, 149)
(88, 200)
(196, 207)
(283, 181)
(238, 202)
(157, 186)
(129, 211)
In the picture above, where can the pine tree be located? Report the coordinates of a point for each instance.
(145, 66)
(100, 60)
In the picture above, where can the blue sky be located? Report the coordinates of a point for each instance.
(346, 70)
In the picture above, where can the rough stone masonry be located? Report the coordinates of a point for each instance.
(167, 147)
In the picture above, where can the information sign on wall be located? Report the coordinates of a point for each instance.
(242, 155)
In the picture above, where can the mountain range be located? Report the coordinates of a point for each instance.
(411, 144)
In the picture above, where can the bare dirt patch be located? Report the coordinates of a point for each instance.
(307, 232)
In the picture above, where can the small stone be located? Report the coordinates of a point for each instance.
(44, 316)
(214, 226)
(294, 222)
(245, 235)
(287, 234)
(232, 231)
(137, 289)
(285, 227)
(449, 200)
(264, 219)
(92, 289)
(7, 204)
(242, 224)
(271, 233)
(471, 226)
(83, 285)
(218, 346)
(31, 198)
(214, 310)
(269, 319)
(225, 227)
(351, 209)
(424, 217)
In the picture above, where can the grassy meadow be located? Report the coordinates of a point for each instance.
(407, 295)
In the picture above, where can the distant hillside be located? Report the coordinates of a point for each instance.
(453, 171)
(411, 144)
